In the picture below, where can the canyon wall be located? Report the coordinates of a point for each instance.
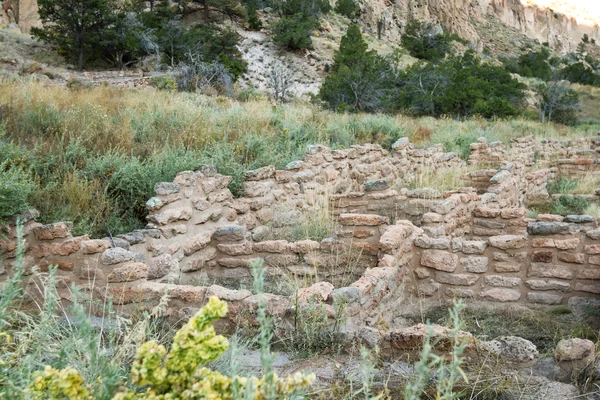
(562, 32)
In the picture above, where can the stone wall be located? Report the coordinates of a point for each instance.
(550, 264)
(571, 156)
(389, 242)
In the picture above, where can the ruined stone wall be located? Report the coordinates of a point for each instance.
(387, 244)
(571, 156)
(553, 263)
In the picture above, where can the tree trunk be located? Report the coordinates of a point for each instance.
(80, 50)
(206, 13)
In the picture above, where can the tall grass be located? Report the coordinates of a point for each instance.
(96, 153)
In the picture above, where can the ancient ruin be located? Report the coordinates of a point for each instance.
(390, 244)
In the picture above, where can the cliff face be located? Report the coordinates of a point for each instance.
(22, 12)
(562, 32)
(386, 18)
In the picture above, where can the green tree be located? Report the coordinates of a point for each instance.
(425, 40)
(347, 8)
(580, 73)
(74, 26)
(460, 87)
(212, 9)
(126, 40)
(254, 22)
(361, 80)
(294, 32)
(535, 64)
(558, 102)
(353, 48)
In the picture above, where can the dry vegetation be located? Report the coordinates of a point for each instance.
(94, 153)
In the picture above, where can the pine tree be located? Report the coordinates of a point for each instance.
(74, 26)
(353, 48)
(254, 23)
(347, 8)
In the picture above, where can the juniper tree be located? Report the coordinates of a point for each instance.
(74, 26)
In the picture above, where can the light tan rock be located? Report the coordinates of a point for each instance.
(128, 272)
(440, 260)
(196, 242)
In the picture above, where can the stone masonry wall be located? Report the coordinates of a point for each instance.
(388, 243)
(556, 263)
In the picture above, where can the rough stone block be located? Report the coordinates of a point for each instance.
(116, 255)
(161, 266)
(94, 246)
(507, 267)
(476, 265)
(198, 260)
(428, 289)
(459, 293)
(196, 242)
(440, 260)
(456, 279)
(508, 241)
(592, 249)
(58, 230)
(128, 272)
(540, 284)
(551, 228)
(544, 298)
(543, 256)
(589, 288)
(567, 244)
(592, 274)
(166, 188)
(549, 271)
(362, 219)
(502, 281)
(235, 249)
(426, 242)
(543, 242)
(575, 258)
(231, 233)
(499, 294)
(473, 246)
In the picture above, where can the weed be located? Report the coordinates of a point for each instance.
(569, 205)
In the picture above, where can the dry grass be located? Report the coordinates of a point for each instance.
(441, 179)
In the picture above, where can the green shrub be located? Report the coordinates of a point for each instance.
(534, 64)
(579, 73)
(254, 23)
(347, 8)
(164, 82)
(562, 186)
(16, 188)
(423, 40)
(569, 205)
(294, 32)
(361, 79)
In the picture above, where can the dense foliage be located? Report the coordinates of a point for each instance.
(457, 86)
(126, 33)
(426, 41)
(460, 87)
(361, 79)
(178, 374)
(535, 64)
(347, 8)
(298, 20)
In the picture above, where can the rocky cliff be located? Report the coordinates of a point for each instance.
(386, 19)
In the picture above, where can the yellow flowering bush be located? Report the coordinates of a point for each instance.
(179, 374)
(54, 384)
